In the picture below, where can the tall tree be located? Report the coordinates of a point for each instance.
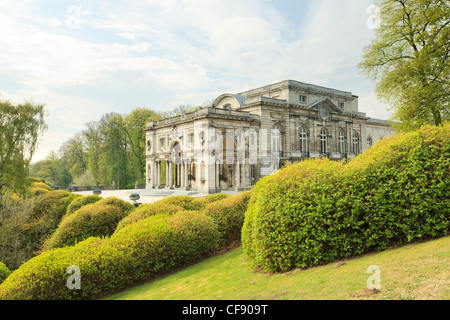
(115, 147)
(95, 138)
(410, 60)
(134, 133)
(73, 155)
(20, 127)
(52, 170)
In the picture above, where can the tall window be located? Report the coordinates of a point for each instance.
(303, 140)
(355, 143)
(276, 140)
(341, 142)
(323, 141)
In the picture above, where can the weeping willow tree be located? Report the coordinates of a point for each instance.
(20, 128)
(409, 60)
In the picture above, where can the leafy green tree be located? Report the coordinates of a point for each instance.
(51, 170)
(73, 156)
(111, 150)
(135, 135)
(409, 60)
(20, 127)
(87, 179)
(94, 139)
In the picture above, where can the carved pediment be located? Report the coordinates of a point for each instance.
(327, 103)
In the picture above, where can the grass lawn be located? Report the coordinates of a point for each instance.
(415, 271)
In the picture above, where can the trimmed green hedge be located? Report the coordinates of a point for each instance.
(46, 216)
(186, 202)
(41, 185)
(4, 272)
(80, 202)
(138, 252)
(229, 215)
(318, 211)
(202, 202)
(147, 210)
(36, 191)
(98, 219)
(170, 205)
(34, 179)
(53, 205)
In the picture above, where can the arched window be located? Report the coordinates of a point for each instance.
(369, 142)
(355, 143)
(341, 142)
(323, 142)
(175, 153)
(303, 140)
(227, 106)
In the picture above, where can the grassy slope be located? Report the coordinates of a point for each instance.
(416, 271)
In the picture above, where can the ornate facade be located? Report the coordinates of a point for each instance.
(243, 137)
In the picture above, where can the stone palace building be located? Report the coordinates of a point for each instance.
(245, 136)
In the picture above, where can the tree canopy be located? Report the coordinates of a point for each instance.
(20, 127)
(110, 151)
(409, 60)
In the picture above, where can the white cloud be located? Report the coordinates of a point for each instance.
(54, 22)
(166, 53)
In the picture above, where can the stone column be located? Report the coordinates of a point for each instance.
(170, 175)
(217, 176)
(153, 174)
(167, 174)
(186, 175)
(158, 175)
(198, 174)
(175, 174)
(182, 176)
(238, 176)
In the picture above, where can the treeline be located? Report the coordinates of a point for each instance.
(108, 152)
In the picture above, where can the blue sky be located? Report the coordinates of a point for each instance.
(86, 58)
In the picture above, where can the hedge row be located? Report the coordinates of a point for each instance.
(170, 205)
(134, 253)
(45, 218)
(318, 211)
(82, 201)
(229, 215)
(97, 219)
(148, 210)
(4, 272)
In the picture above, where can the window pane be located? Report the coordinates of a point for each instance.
(323, 141)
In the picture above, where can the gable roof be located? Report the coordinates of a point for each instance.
(326, 101)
